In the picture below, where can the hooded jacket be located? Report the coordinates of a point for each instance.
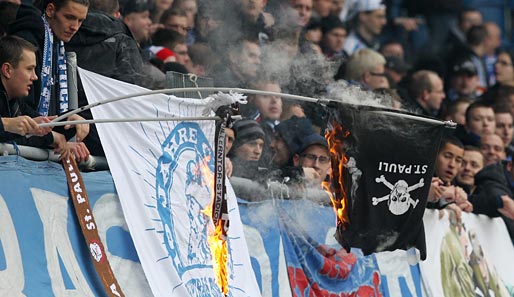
(105, 45)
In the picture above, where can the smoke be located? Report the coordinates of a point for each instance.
(344, 92)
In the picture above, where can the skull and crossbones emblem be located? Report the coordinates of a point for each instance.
(399, 199)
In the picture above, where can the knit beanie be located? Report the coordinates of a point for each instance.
(246, 130)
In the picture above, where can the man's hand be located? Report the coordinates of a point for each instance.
(79, 150)
(22, 125)
(436, 190)
(41, 120)
(508, 207)
(82, 129)
(60, 145)
(311, 177)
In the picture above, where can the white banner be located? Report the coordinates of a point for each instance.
(469, 259)
(163, 176)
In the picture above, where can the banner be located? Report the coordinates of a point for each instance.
(472, 258)
(163, 173)
(42, 250)
(388, 169)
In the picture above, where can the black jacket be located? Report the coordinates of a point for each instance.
(491, 183)
(104, 45)
(12, 108)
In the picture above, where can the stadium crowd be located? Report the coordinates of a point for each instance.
(437, 59)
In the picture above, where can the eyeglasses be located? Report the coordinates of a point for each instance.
(378, 74)
(313, 158)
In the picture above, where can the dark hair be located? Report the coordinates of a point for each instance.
(476, 35)
(171, 12)
(167, 38)
(8, 12)
(419, 82)
(42, 4)
(475, 105)
(106, 6)
(450, 107)
(472, 148)
(451, 140)
(11, 49)
(464, 11)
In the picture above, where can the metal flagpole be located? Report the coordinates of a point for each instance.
(178, 90)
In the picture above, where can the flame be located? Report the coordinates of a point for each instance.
(335, 187)
(217, 238)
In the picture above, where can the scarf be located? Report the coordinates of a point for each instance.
(47, 77)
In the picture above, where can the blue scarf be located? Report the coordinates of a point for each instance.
(47, 78)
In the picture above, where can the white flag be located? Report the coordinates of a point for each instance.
(163, 175)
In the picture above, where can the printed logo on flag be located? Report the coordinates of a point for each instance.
(399, 199)
(184, 178)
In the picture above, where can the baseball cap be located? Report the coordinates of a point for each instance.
(397, 64)
(370, 5)
(134, 6)
(298, 134)
(464, 67)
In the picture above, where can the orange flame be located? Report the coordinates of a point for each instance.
(216, 238)
(336, 187)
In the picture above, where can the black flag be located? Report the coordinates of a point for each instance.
(388, 160)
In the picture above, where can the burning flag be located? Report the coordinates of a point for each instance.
(381, 179)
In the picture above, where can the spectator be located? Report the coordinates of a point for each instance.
(369, 22)
(426, 93)
(504, 128)
(60, 19)
(136, 15)
(304, 9)
(175, 20)
(203, 60)
(314, 157)
(492, 44)
(246, 149)
(456, 38)
(321, 8)
(7, 15)
(493, 194)
(158, 8)
(17, 73)
(208, 19)
(447, 166)
(463, 80)
(472, 162)
(503, 69)
(396, 69)
(479, 122)
(242, 62)
(334, 34)
(493, 149)
(456, 110)
(175, 42)
(190, 8)
(392, 48)
(366, 67)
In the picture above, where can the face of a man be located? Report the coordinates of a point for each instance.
(281, 153)
(229, 139)
(270, 107)
(493, 149)
(504, 127)
(377, 79)
(448, 162)
(248, 60)
(19, 80)
(436, 95)
(251, 8)
(177, 23)
(322, 7)
(66, 21)
(304, 9)
(190, 8)
(334, 39)
(315, 157)
(139, 24)
(373, 21)
(472, 163)
(504, 70)
(250, 150)
(182, 54)
(481, 121)
(459, 116)
(465, 84)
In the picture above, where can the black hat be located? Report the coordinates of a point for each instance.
(134, 6)
(298, 134)
(246, 130)
(463, 67)
(329, 23)
(397, 64)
